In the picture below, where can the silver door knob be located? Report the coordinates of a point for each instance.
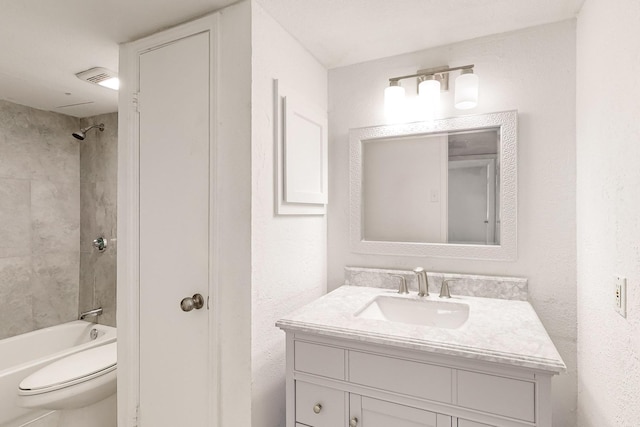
(317, 408)
(189, 303)
(353, 422)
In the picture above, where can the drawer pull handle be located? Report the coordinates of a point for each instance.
(353, 422)
(317, 408)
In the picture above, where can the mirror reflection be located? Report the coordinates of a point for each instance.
(432, 188)
(442, 188)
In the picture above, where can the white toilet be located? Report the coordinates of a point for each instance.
(75, 381)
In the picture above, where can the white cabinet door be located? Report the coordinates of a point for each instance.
(378, 413)
(174, 81)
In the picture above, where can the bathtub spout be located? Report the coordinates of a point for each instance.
(90, 313)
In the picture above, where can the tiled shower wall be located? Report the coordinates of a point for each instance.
(57, 194)
(98, 186)
(39, 219)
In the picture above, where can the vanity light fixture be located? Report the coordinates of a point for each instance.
(430, 83)
(394, 104)
(466, 90)
(429, 93)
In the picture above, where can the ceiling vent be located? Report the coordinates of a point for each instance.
(100, 76)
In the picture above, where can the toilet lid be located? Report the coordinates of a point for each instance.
(78, 367)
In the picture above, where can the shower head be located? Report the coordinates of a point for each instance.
(83, 132)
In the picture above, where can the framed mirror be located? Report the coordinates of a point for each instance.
(443, 188)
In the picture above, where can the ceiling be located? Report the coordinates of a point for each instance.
(44, 43)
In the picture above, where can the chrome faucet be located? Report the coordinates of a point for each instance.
(90, 313)
(423, 285)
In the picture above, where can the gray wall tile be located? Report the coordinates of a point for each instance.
(37, 144)
(105, 286)
(55, 155)
(15, 212)
(55, 216)
(98, 195)
(55, 288)
(15, 296)
(86, 295)
(15, 159)
(57, 194)
(88, 226)
(39, 218)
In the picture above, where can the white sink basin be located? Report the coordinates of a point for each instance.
(440, 314)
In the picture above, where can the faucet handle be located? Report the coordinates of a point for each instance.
(402, 289)
(444, 289)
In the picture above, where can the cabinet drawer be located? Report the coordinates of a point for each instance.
(401, 376)
(467, 423)
(378, 413)
(497, 395)
(319, 360)
(332, 405)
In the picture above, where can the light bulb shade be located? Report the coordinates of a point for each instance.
(394, 102)
(466, 91)
(429, 92)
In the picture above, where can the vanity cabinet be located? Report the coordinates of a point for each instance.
(318, 406)
(334, 382)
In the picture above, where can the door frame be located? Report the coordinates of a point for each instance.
(492, 193)
(128, 257)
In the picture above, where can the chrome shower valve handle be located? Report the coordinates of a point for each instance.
(100, 244)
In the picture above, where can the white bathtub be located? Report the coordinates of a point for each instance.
(24, 354)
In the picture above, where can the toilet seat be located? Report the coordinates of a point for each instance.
(74, 369)
(73, 382)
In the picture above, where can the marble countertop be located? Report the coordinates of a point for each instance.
(497, 330)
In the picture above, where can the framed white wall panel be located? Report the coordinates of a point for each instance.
(300, 133)
(305, 153)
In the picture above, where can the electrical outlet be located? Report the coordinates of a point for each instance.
(621, 296)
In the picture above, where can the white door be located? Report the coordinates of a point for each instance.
(472, 201)
(174, 107)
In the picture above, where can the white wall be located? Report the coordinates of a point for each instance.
(288, 253)
(532, 70)
(421, 163)
(608, 206)
(233, 172)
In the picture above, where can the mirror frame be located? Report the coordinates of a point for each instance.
(507, 250)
